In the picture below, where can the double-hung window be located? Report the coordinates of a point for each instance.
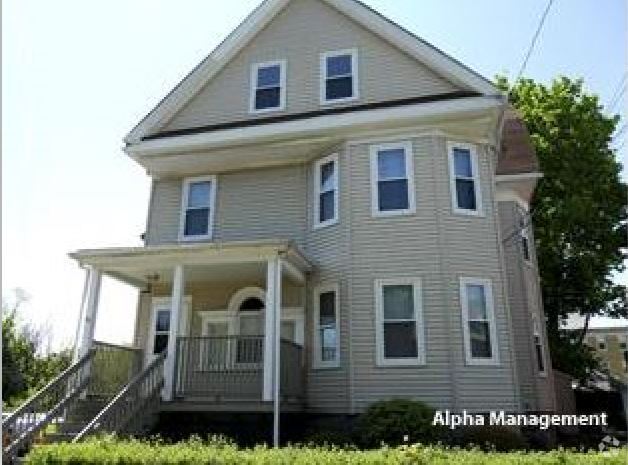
(326, 191)
(197, 213)
(478, 319)
(392, 179)
(268, 86)
(339, 76)
(538, 346)
(465, 181)
(399, 322)
(327, 327)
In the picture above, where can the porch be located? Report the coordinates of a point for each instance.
(245, 354)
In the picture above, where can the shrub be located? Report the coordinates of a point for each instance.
(499, 438)
(397, 421)
(327, 437)
(131, 452)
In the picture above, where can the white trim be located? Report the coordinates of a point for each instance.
(517, 177)
(333, 158)
(420, 50)
(326, 125)
(165, 303)
(253, 86)
(355, 85)
(536, 332)
(185, 191)
(490, 314)
(417, 295)
(409, 166)
(317, 362)
(475, 170)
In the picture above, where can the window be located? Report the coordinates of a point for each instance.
(625, 354)
(327, 327)
(538, 346)
(465, 184)
(339, 76)
(601, 343)
(268, 86)
(198, 208)
(399, 322)
(478, 319)
(525, 243)
(326, 191)
(161, 327)
(392, 179)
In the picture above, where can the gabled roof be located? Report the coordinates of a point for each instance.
(440, 62)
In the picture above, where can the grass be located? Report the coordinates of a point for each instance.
(218, 452)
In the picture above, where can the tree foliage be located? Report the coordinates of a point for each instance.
(579, 207)
(25, 366)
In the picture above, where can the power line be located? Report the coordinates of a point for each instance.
(618, 92)
(534, 39)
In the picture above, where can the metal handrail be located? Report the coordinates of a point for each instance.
(43, 407)
(142, 389)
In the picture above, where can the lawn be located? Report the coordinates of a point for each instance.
(121, 452)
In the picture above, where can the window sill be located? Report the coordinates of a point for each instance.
(329, 367)
(389, 213)
(325, 224)
(482, 363)
(400, 363)
(253, 111)
(207, 237)
(339, 100)
(464, 212)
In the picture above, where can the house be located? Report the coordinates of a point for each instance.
(610, 345)
(338, 215)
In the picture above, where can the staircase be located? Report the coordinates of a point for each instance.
(104, 391)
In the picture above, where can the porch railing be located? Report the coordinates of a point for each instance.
(112, 367)
(232, 368)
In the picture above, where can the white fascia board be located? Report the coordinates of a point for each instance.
(416, 47)
(327, 124)
(191, 84)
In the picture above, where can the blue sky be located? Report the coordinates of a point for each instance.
(78, 75)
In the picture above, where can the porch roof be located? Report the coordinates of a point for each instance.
(136, 265)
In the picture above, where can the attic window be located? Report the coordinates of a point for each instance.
(268, 88)
(339, 76)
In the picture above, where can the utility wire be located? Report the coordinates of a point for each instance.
(534, 40)
(617, 94)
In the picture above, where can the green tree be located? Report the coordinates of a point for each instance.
(578, 210)
(26, 368)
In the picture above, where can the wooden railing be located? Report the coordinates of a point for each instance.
(45, 407)
(112, 368)
(232, 368)
(131, 409)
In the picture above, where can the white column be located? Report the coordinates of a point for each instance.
(178, 291)
(89, 312)
(277, 355)
(273, 299)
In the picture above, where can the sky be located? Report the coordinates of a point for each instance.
(77, 76)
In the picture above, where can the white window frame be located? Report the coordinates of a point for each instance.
(601, 339)
(417, 295)
(490, 313)
(185, 190)
(165, 303)
(353, 52)
(475, 169)
(317, 362)
(282, 86)
(537, 333)
(409, 159)
(317, 190)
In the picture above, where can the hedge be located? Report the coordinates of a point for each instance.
(131, 452)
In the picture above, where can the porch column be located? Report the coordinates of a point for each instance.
(272, 321)
(89, 312)
(178, 291)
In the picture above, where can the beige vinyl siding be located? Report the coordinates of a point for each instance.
(328, 248)
(438, 247)
(253, 204)
(299, 34)
(525, 301)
